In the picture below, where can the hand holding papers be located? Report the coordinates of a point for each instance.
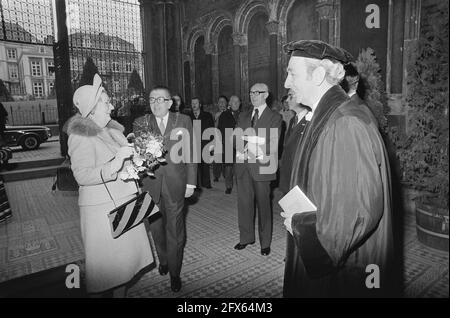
(295, 201)
(253, 146)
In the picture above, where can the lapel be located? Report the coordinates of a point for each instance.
(263, 118)
(170, 124)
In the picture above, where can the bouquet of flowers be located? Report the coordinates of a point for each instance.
(148, 154)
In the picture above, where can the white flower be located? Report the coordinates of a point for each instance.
(132, 172)
(138, 161)
(158, 153)
(123, 175)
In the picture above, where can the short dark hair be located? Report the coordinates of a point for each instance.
(160, 87)
(350, 70)
(197, 98)
(224, 97)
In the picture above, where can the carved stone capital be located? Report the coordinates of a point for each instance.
(187, 57)
(210, 48)
(240, 39)
(272, 27)
(325, 9)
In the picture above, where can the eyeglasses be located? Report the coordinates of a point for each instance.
(256, 93)
(160, 100)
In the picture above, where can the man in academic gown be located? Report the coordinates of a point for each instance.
(345, 247)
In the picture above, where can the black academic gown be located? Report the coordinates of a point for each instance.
(342, 165)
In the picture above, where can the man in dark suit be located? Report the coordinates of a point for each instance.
(228, 119)
(257, 169)
(206, 120)
(293, 133)
(172, 182)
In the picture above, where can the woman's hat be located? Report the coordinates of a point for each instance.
(87, 96)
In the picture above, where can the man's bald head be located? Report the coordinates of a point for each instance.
(258, 94)
(235, 103)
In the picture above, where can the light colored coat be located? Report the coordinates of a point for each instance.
(109, 262)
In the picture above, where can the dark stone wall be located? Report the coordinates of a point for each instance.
(356, 36)
(302, 22)
(203, 79)
(258, 51)
(197, 8)
(226, 62)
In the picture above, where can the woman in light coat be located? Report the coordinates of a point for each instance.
(98, 149)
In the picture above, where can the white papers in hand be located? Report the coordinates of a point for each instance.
(254, 139)
(295, 201)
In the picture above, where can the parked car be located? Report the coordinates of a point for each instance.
(28, 137)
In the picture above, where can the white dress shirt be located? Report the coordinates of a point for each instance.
(165, 120)
(260, 108)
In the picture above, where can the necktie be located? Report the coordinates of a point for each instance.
(161, 126)
(295, 121)
(255, 117)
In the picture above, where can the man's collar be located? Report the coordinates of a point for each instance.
(260, 108)
(165, 117)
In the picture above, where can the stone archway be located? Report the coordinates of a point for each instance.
(225, 57)
(202, 73)
(220, 20)
(241, 22)
(258, 50)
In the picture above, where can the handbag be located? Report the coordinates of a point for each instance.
(65, 181)
(131, 213)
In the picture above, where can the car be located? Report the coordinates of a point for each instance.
(28, 137)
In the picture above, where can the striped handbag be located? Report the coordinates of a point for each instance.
(131, 213)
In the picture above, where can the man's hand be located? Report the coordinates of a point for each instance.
(287, 221)
(189, 192)
(254, 150)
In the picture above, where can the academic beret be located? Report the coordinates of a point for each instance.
(316, 49)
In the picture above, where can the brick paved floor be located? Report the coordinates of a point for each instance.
(44, 233)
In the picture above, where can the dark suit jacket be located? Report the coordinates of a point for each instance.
(176, 175)
(268, 119)
(207, 121)
(227, 119)
(290, 145)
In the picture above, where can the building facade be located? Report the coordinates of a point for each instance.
(114, 57)
(27, 70)
(213, 47)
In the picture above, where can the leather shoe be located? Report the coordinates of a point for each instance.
(265, 251)
(175, 284)
(163, 269)
(228, 190)
(240, 246)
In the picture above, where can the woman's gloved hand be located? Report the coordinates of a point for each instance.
(123, 153)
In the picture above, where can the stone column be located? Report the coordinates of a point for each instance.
(240, 43)
(325, 10)
(63, 83)
(411, 35)
(272, 28)
(161, 24)
(211, 50)
(187, 91)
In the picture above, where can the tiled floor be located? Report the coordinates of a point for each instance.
(47, 150)
(44, 233)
